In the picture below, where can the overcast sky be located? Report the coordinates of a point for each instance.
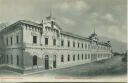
(108, 17)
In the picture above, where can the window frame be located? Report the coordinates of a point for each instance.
(34, 39)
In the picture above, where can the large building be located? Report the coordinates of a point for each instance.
(27, 45)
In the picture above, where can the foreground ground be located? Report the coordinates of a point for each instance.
(111, 67)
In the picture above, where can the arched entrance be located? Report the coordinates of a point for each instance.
(46, 62)
(34, 60)
(54, 61)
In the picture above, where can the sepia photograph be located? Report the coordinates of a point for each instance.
(63, 41)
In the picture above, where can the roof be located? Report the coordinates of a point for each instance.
(73, 35)
(83, 38)
(30, 23)
(22, 21)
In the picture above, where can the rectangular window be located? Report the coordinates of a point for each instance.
(54, 42)
(78, 57)
(68, 57)
(85, 46)
(7, 41)
(17, 60)
(85, 56)
(78, 45)
(11, 59)
(11, 40)
(34, 39)
(68, 43)
(73, 57)
(46, 41)
(62, 58)
(73, 44)
(82, 45)
(7, 59)
(17, 39)
(82, 56)
(88, 56)
(62, 42)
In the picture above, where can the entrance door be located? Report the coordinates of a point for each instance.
(46, 62)
(34, 60)
(54, 61)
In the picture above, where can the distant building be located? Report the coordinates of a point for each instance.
(27, 45)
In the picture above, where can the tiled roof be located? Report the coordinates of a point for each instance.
(30, 23)
(73, 35)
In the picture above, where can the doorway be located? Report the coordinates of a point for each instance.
(54, 61)
(46, 62)
(34, 60)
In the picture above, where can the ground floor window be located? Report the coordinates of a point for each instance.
(78, 57)
(17, 60)
(62, 58)
(11, 59)
(88, 56)
(73, 57)
(82, 56)
(68, 57)
(85, 56)
(7, 58)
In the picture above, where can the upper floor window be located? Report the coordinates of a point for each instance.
(11, 40)
(73, 44)
(62, 42)
(46, 41)
(82, 45)
(54, 42)
(17, 39)
(68, 43)
(85, 45)
(34, 39)
(78, 45)
(7, 41)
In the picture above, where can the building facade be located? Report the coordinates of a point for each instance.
(28, 45)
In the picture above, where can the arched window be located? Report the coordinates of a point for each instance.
(34, 60)
(62, 58)
(68, 57)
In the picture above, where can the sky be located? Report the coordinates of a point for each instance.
(108, 17)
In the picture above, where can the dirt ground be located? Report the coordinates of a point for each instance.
(110, 67)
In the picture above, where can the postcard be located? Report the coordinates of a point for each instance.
(63, 41)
